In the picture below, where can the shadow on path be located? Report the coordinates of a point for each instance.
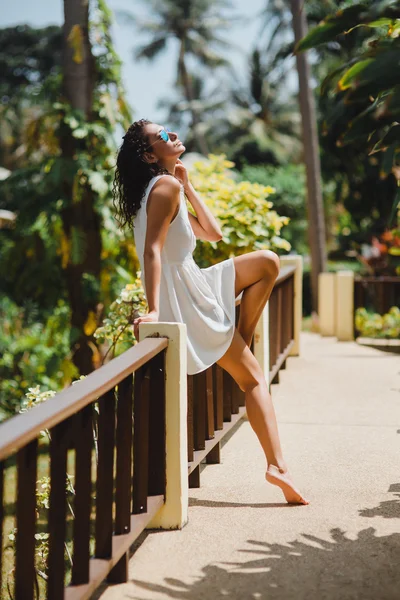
(389, 509)
(307, 568)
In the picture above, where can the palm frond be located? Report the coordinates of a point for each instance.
(152, 49)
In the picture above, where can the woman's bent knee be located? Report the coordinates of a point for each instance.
(252, 383)
(271, 263)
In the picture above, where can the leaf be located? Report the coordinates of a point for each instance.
(335, 72)
(387, 162)
(80, 132)
(75, 39)
(393, 102)
(97, 182)
(152, 49)
(391, 136)
(90, 325)
(381, 74)
(361, 126)
(331, 27)
(348, 78)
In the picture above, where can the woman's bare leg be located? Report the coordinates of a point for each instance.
(256, 274)
(244, 368)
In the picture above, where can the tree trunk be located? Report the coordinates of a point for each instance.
(315, 207)
(184, 78)
(80, 219)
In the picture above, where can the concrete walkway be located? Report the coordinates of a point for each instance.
(338, 408)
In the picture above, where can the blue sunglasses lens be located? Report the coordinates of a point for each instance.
(164, 135)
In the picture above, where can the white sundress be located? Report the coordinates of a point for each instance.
(203, 299)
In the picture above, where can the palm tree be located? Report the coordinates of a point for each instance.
(196, 25)
(209, 103)
(80, 217)
(316, 220)
(267, 110)
(282, 16)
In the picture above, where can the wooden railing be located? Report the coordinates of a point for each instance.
(377, 293)
(281, 322)
(215, 402)
(128, 492)
(127, 471)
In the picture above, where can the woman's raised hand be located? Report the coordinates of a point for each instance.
(151, 317)
(181, 173)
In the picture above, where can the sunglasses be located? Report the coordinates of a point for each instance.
(164, 137)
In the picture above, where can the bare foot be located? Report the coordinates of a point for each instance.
(282, 479)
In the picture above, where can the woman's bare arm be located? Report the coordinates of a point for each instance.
(204, 224)
(162, 206)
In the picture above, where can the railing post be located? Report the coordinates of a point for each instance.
(345, 306)
(326, 303)
(296, 261)
(261, 342)
(174, 513)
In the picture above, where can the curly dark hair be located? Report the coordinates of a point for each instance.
(133, 173)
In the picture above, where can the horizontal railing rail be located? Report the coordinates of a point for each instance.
(127, 476)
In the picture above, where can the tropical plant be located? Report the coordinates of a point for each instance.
(378, 326)
(289, 183)
(382, 257)
(243, 209)
(365, 91)
(62, 192)
(197, 27)
(211, 104)
(261, 114)
(30, 62)
(32, 351)
(116, 330)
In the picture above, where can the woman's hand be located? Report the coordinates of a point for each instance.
(151, 317)
(181, 173)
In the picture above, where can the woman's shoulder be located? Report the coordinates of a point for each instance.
(166, 182)
(164, 185)
(166, 190)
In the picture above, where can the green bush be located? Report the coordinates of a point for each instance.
(289, 183)
(32, 353)
(378, 326)
(243, 209)
(116, 332)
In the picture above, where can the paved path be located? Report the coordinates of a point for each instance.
(338, 408)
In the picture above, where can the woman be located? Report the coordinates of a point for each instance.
(149, 192)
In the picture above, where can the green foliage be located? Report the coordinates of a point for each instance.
(117, 329)
(378, 326)
(366, 96)
(64, 234)
(32, 351)
(43, 489)
(243, 209)
(289, 184)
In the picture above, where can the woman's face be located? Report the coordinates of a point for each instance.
(161, 150)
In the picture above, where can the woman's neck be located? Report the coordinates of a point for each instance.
(169, 165)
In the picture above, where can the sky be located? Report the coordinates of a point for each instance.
(145, 82)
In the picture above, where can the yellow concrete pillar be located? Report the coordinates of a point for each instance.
(261, 341)
(297, 261)
(326, 303)
(174, 513)
(345, 305)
